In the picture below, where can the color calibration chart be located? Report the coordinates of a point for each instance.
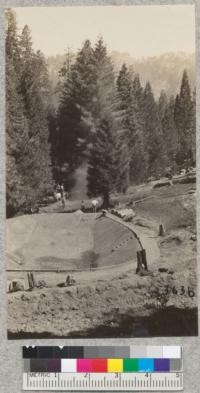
(103, 368)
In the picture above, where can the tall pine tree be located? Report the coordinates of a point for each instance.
(183, 122)
(153, 133)
(162, 104)
(106, 167)
(129, 95)
(169, 136)
(16, 143)
(28, 160)
(75, 102)
(16, 123)
(33, 88)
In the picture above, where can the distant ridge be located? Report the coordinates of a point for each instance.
(163, 72)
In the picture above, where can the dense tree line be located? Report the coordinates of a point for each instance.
(112, 123)
(118, 127)
(28, 161)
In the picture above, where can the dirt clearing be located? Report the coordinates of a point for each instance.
(108, 298)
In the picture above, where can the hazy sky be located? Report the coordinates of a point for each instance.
(139, 30)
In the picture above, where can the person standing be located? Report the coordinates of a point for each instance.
(62, 191)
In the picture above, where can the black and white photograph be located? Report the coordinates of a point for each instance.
(101, 171)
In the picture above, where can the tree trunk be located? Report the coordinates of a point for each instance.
(106, 200)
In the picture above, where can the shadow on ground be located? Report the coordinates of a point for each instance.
(163, 323)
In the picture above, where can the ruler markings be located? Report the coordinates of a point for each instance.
(109, 381)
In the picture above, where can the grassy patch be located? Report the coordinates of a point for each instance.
(170, 213)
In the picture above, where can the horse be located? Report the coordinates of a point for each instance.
(95, 204)
(58, 196)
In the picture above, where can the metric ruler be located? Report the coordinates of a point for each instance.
(135, 368)
(103, 382)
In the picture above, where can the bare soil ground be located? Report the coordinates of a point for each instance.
(112, 300)
(67, 242)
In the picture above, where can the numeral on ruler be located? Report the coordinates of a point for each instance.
(103, 381)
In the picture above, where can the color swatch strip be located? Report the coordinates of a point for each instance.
(104, 352)
(100, 365)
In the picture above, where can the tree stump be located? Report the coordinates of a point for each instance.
(144, 259)
(161, 231)
(16, 286)
(31, 281)
(141, 261)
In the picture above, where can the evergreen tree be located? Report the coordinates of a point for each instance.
(162, 104)
(139, 97)
(34, 90)
(153, 133)
(102, 167)
(11, 42)
(16, 143)
(107, 165)
(28, 160)
(104, 83)
(75, 102)
(169, 135)
(132, 140)
(183, 121)
(16, 125)
(138, 91)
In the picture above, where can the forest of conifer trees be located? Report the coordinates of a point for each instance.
(111, 123)
(28, 160)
